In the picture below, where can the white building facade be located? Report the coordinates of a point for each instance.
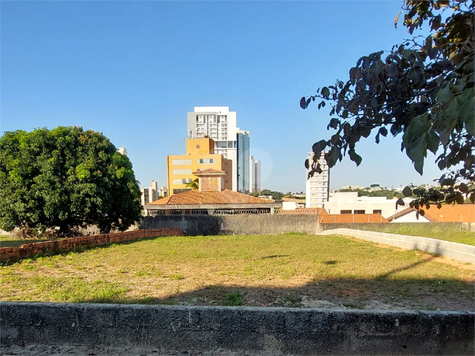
(317, 188)
(351, 203)
(152, 193)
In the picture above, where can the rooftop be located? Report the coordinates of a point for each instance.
(195, 197)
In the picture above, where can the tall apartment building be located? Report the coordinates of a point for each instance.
(255, 175)
(244, 177)
(200, 155)
(318, 186)
(219, 124)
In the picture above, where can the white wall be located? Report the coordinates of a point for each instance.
(350, 201)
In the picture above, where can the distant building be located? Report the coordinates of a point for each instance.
(353, 187)
(243, 161)
(122, 150)
(200, 155)
(318, 186)
(211, 199)
(351, 203)
(255, 175)
(152, 193)
(219, 124)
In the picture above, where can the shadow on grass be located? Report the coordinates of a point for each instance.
(384, 291)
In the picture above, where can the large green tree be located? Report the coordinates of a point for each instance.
(423, 90)
(65, 177)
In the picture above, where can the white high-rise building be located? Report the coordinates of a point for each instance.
(254, 175)
(317, 187)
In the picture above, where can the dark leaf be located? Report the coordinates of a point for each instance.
(303, 103)
(318, 147)
(460, 199)
(400, 202)
(355, 157)
(334, 123)
(325, 92)
(407, 192)
(463, 188)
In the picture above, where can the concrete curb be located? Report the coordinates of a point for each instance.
(460, 252)
(282, 331)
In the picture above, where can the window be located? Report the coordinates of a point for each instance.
(206, 161)
(345, 211)
(197, 146)
(182, 181)
(178, 172)
(181, 162)
(176, 191)
(377, 212)
(359, 212)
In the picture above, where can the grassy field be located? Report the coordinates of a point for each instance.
(447, 233)
(12, 241)
(277, 270)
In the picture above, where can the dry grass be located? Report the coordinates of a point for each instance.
(249, 270)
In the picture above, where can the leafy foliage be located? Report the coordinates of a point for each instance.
(194, 184)
(424, 91)
(275, 195)
(65, 178)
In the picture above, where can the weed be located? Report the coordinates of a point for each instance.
(170, 301)
(176, 277)
(233, 299)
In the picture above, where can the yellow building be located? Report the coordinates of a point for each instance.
(199, 156)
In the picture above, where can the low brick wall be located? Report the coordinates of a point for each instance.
(242, 330)
(10, 254)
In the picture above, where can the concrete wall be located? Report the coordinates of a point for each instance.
(237, 329)
(235, 224)
(460, 252)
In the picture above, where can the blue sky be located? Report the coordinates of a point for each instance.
(133, 69)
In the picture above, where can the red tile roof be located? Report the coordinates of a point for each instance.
(451, 213)
(447, 213)
(352, 218)
(195, 197)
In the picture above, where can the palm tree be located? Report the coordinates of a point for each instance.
(194, 184)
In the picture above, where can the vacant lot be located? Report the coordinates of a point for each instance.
(289, 270)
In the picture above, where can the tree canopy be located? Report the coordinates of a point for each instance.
(423, 90)
(65, 177)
